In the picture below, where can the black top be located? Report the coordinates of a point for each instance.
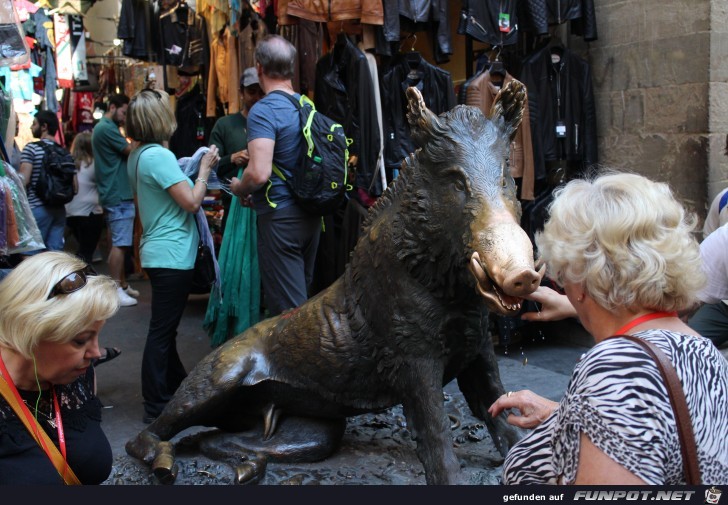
(22, 461)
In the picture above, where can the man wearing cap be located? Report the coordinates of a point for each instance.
(230, 134)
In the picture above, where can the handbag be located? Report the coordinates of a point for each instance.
(39, 435)
(204, 276)
(688, 448)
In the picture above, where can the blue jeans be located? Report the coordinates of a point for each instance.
(51, 222)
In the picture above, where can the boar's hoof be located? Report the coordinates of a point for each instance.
(251, 471)
(164, 467)
(143, 447)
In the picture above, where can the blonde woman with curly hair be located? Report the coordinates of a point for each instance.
(622, 248)
(53, 308)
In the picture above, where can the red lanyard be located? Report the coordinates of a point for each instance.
(29, 416)
(642, 319)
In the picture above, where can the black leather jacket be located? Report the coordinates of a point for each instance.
(479, 18)
(345, 92)
(432, 12)
(570, 84)
(581, 13)
(436, 87)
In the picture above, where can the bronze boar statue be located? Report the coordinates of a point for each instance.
(438, 250)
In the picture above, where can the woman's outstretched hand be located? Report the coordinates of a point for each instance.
(533, 409)
(554, 306)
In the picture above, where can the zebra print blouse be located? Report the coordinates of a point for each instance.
(617, 398)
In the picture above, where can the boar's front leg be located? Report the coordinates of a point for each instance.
(481, 385)
(421, 383)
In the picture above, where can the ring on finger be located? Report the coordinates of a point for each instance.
(508, 395)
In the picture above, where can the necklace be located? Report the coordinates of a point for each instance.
(48, 417)
(642, 319)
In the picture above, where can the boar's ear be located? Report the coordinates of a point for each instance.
(423, 121)
(509, 104)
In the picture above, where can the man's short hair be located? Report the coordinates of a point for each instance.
(118, 100)
(48, 118)
(277, 56)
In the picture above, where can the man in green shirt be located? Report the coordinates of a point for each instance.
(230, 134)
(111, 150)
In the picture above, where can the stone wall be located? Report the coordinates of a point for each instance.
(662, 93)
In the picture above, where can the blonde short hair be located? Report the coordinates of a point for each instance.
(626, 239)
(149, 117)
(28, 317)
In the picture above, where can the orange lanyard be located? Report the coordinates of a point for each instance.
(642, 319)
(29, 416)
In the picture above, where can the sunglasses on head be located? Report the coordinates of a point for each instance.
(72, 282)
(154, 91)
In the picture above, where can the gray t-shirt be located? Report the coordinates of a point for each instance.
(275, 117)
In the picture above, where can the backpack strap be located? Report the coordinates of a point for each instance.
(274, 168)
(307, 127)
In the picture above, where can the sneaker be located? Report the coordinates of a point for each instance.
(126, 300)
(131, 291)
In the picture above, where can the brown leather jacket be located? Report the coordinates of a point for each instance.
(368, 11)
(481, 93)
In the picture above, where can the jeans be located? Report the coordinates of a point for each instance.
(711, 321)
(287, 243)
(162, 369)
(51, 222)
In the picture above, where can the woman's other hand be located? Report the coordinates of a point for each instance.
(533, 409)
(554, 306)
(209, 160)
(240, 158)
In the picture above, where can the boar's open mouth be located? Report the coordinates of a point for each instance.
(494, 296)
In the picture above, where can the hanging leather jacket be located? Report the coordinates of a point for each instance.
(480, 19)
(560, 94)
(368, 11)
(344, 92)
(436, 87)
(581, 13)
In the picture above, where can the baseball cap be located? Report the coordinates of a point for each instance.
(250, 77)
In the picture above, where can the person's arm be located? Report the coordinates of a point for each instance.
(597, 468)
(225, 168)
(24, 172)
(258, 171)
(533, 409)
(188, 198)
(554, 306)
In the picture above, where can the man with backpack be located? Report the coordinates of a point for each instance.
(288, 236)
(40, 162)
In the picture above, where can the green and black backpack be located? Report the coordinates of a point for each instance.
(320, 180)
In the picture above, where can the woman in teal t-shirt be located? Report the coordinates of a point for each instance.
(167, 201)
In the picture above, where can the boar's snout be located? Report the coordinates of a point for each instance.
(502, 264)
(522, 283)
